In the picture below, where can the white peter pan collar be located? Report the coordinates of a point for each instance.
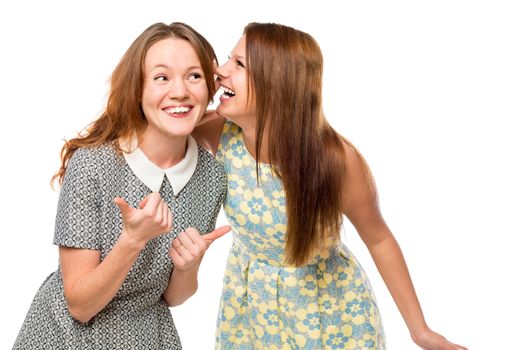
(153, 176)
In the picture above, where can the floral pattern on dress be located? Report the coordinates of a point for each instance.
(265, 304)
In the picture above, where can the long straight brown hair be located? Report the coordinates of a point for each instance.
(123, 117)
(285, 74)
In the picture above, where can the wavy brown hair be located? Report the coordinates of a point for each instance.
(123, 116)
(284, 67)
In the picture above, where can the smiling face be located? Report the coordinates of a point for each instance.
(234, 102)
(175, 94)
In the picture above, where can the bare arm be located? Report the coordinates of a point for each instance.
(362, 209)
(89, 285)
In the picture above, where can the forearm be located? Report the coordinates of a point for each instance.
(91, 292)
(390, 262)
(182, 285)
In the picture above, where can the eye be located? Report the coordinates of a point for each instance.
(195, 76)
(160, 78)
(238, 62)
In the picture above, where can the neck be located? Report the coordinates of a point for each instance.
(163, 150)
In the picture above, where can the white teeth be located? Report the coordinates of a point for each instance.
(178, 110)
(228, 91)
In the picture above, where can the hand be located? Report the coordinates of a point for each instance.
(152, 219)
(429, 340)
(189, 246)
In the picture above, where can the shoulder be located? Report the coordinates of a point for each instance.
(209, 176)
(208, 132)
(87, 160)
(101, 153)
(231, 134)
(354, 162)
(208, 163)
(358, 178)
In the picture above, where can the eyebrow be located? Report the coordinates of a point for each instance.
(237, 56)
(167, 67)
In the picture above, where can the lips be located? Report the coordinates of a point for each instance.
(178, 111)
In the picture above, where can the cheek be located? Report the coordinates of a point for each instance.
(201, 95)
(151, 95)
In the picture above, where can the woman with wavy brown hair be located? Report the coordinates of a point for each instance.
(136, 191)
(290, 283)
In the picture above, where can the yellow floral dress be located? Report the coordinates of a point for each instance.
(266, 305)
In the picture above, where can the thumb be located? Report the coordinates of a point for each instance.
(219, 232)
(143, 202)
(123, 206)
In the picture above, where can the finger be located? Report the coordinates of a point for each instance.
(195, 249)
(124, 207)
(454, 346)
(153, 199)
(459, 347)
(176, 243)
(184, 253)
(143, 203)
(196, 237)
(451, 346)
(185, 239)
(219, 232)
(159, 212)
(176, 257)
(169, 220)
(165, 216)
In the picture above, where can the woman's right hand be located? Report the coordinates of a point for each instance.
(151, 219)
(430, 340)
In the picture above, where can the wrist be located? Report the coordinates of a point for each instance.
(187, 271)
(418, 330)
(130, 241)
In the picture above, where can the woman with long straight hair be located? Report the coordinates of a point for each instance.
(289, 282)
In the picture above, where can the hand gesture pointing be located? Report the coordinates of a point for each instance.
(189, 246)
(152, 219)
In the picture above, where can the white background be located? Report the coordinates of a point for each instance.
(432, 93)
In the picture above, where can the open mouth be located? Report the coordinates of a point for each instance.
(178, 111)
(226, 92)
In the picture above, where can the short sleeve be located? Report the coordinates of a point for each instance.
(78, 213)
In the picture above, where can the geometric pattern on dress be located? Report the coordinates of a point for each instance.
(137, 317)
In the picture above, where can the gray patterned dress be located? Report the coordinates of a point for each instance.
(137, 317)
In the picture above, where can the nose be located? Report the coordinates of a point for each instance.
(222, 72)
(178, 89)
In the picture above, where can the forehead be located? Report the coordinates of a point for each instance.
(173, 53)
(240, 47)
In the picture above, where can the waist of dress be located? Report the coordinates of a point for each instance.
(278, 259)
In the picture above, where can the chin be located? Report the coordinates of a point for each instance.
(182, 132)
(227, 113)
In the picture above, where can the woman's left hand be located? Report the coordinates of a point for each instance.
(189, 246)
(429, 340)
